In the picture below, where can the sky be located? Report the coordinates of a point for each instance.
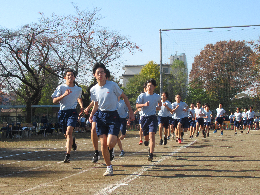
(141, 20)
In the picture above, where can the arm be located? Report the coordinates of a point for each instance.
(81, 106)
(142, 105)
(88, 108)
(58, 99)
(94, 110)
(131, 113)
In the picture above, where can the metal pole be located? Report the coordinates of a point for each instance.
(161, 83)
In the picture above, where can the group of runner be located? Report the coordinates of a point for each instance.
(111, 108)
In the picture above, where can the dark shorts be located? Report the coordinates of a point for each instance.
(164, 121)
(200, 121)
(244, 122)
(207, 124)
(108, 122)
(192, 123)
(123, 123)
(67, 118)
(149, 124)
(174, 122)
(231, 121)
(237, 124)
(220, 120)
(82, 124)
(185, 122)
(250, 121)
(95, 116)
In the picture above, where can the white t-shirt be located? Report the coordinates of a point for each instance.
(106, 96)
(208, 115)
(220, 112)
(238, 116)
(164, 112)
(199, 112)
(250, 114)
(69, 101)
(122, 109)
(179, 113)
(153, 103)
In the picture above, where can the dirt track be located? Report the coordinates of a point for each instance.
(227, 164)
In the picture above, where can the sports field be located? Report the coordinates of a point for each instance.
(228, 164)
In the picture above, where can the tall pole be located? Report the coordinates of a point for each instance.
(161, 83)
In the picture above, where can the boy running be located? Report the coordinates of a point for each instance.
(237, 121)
(219, 118)
(199, 114)
(207, 118)
(68, 95)
(164, 117)
(192, 120)
(105, 96)
(250, 118)
(244, 116)
(148, 101)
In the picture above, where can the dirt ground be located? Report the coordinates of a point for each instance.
(227, 164)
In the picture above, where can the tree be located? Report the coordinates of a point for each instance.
(51, 46)
(135, 84)
(223, 70)
(177, 80)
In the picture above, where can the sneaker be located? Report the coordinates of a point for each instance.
(74, 145)
(150, 158)
(221, 133)
(235, 133)
(191, 136)
(247, 132)
(122, 153)
(96, 157)
(109, 171)
(67, 159)
(111, 155)
(215, 131)
(242, 131)
(198, 133)
(204, 133)
(165, 141)
(161, 142)
(169, 137)
(179, 141)
(207, 134)
(141, 142)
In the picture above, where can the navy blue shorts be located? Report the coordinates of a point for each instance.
(237, 124)
(220, 120)
(108, 122)
(231, 121)
(244, 122)
(123, 123)
(67, 118)
(207, 124)
(192, 123)
(164, 121)
(200, 121)
(149, 124)
(82, 124)
(185, 122)
(174, 122)
(250, 121)
(95, 116)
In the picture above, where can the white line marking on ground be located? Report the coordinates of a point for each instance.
(125, 181)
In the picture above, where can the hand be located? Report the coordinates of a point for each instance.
(122, 137)
(67, 92)
(90, 119)
(81, 111)
(164, 104)
(146, 104)
(86, 111)
(131, 116)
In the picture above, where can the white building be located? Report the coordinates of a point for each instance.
(131, 70)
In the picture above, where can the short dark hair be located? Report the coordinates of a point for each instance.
(151, 81)
(107, 74)
(71, 70)
(99, 65)
(166, 93)
(198, 102)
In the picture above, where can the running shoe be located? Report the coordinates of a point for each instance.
(242, 131)
(165, 141)
(141, 142)
(179, 141)
(122, 153)
(96, 157)
(109, 171)
(74, 145)
(215, 131)
(198, 133)
(150, 158)
(67, 159)
(221, 133)
(207, 134)
(161, 142)
(247, 132)
(235, 133)
(169, 137)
